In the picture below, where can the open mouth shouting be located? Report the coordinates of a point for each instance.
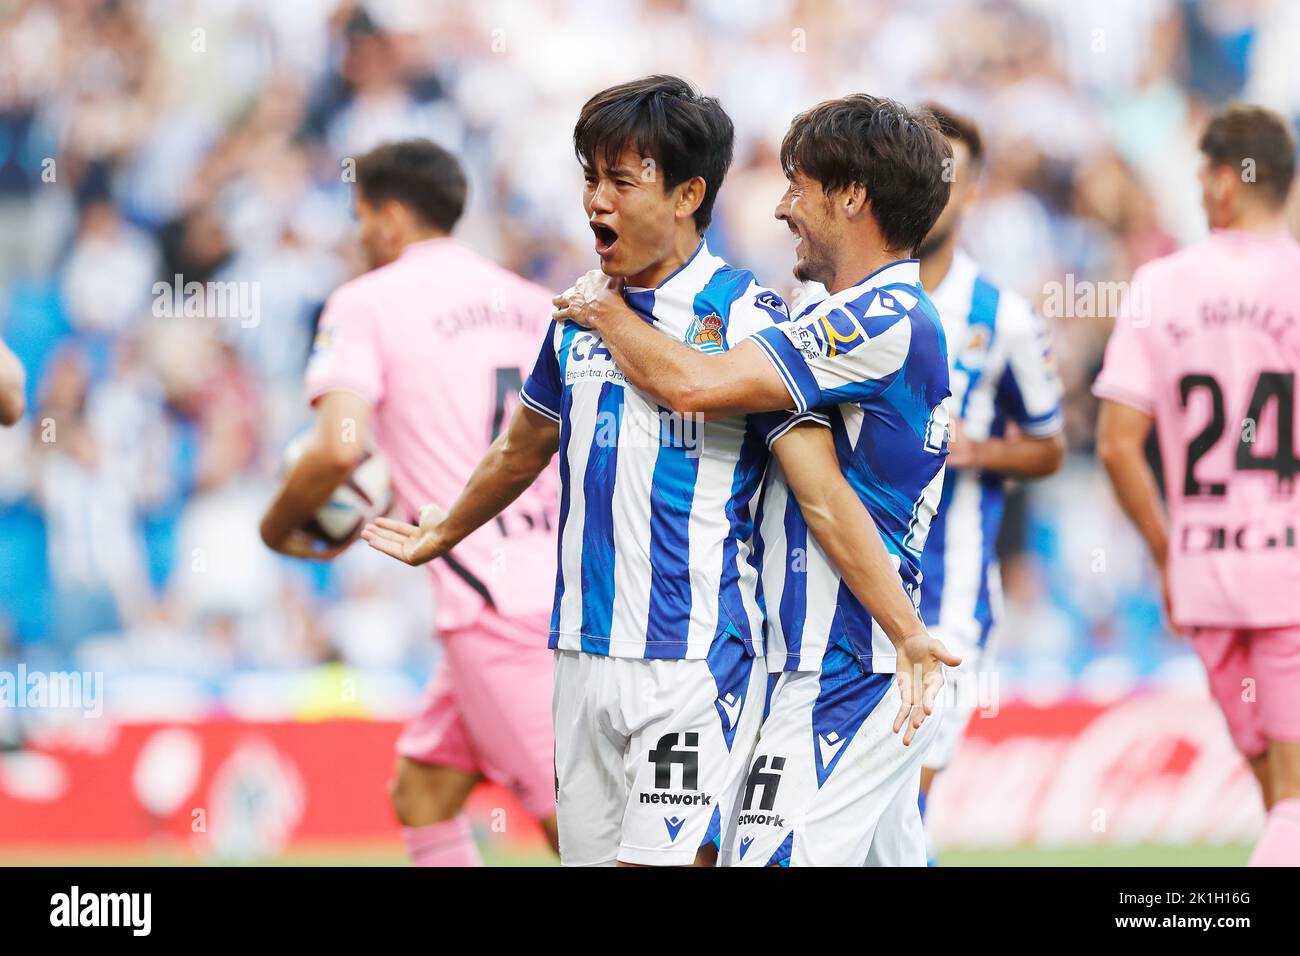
(606, 239)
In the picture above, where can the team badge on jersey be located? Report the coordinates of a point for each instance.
(975, 349)
(706, 333)
(324, 339)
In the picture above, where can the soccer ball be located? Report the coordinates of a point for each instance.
(365, 496)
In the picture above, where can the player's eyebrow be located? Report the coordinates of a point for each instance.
(613, 172)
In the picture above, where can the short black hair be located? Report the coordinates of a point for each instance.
(957, 127)
(666, 119)
(419, 174)
(1240, 132)
(897, 155)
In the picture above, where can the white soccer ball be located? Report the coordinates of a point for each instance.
(365, 496)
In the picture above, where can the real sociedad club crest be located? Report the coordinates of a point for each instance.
(975, 351)
(706, 333)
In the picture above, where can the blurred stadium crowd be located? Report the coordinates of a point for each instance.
(140, 141)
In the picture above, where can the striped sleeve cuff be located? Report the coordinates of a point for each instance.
(783, 426)
(791, 366)
(1043, 426)
(541, 408)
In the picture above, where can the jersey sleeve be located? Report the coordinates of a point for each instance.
(770, 426)
(1030, 390)
(1128, 369)
(346, 354)
(759, 309)
(544, 388)
(756, 310)
(834, 356)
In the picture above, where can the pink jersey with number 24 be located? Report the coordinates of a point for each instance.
(1208, 345)
(438, 343)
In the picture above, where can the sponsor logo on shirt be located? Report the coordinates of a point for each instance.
(1199, 538)
(589, 360)
(842, 333)
(807, 339)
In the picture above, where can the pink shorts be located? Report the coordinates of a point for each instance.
(1255, 677)
(487, 709)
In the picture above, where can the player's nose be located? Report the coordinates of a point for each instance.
(602, 198)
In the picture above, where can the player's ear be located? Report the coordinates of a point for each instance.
(689, 196)
(853, 200)
(1223, 182)
(394, 216)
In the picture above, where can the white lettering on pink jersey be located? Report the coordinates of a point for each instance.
(438, 342)
(1211, 354)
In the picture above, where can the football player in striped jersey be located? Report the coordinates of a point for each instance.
(1005, 414)
(867, 361)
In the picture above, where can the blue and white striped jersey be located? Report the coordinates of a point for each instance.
(873, 359)
(1002, 371)
(656, 509)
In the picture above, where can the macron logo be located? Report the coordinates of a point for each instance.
(674, 825)
(731, 705)
(882, 304)
(744, 845)
(829, 745)
(102, 909)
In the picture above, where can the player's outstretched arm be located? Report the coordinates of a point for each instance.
(677, 376)
(511, 464)
(845, 530)
(336, 446)
(13, 385)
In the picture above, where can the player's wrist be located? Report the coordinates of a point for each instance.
(609, 310)
(982, 454)
(901, 636)
(443, 537)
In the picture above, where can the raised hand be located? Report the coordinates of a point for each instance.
(411, 544)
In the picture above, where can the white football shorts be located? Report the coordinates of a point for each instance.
(829, 773)
(649, 753)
